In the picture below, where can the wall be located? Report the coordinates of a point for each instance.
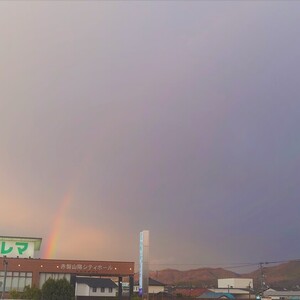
(152, 289)
(156, 289)
(236, 283)
(84, 290)
(81, 289)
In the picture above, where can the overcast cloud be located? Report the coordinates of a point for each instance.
(178, 117)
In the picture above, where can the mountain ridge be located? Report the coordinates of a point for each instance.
(283, 275)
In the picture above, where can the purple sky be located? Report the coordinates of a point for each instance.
(178, 117)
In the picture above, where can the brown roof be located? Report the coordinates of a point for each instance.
(193, 292)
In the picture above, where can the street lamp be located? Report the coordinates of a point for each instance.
(5, 263)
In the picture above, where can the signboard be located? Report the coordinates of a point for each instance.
(86, 267)
(24, 247)
(17, 249)
(144, 264)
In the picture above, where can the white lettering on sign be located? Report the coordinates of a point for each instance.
(85, 267)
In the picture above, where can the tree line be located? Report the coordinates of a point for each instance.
(60, 289)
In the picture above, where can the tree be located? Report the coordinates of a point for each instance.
(14, 294)
(32, 293)
(59, 289)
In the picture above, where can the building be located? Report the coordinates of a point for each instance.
(212, 295)
(235, 283)
(189, 292)
(94, 287)
(155, 287)
(236, 293)
(281, 295)
(233, 288)
(19, 268)
(34, 272)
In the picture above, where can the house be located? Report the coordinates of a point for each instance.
(281, 295)
(213, 295)
(189, 292)
(236, 293)
(232, 288)
(155, 287)
(95, 288)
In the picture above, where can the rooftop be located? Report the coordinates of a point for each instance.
(95, 282)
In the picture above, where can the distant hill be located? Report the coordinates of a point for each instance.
(202, 277)
(285, 275)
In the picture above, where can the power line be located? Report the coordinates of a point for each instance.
(225, 265)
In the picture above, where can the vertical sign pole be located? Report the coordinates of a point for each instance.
(120, 288)
(131, 285)
(144, 265)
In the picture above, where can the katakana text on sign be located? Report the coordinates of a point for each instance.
(16, 249)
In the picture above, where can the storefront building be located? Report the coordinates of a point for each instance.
(22, 270)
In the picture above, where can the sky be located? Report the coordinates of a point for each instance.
(177, 117)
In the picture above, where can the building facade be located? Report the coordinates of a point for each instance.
(235, 283)
(19, 272)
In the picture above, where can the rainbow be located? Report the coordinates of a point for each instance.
(51, 245)
(54, 237)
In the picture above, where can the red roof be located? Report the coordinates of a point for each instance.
(193, 292)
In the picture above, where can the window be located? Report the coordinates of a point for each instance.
(16, 280)
(110, 290)
(55, 276)
(102, 290)
(94, 290)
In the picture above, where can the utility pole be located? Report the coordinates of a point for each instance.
(262, 279)
(249, 290)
